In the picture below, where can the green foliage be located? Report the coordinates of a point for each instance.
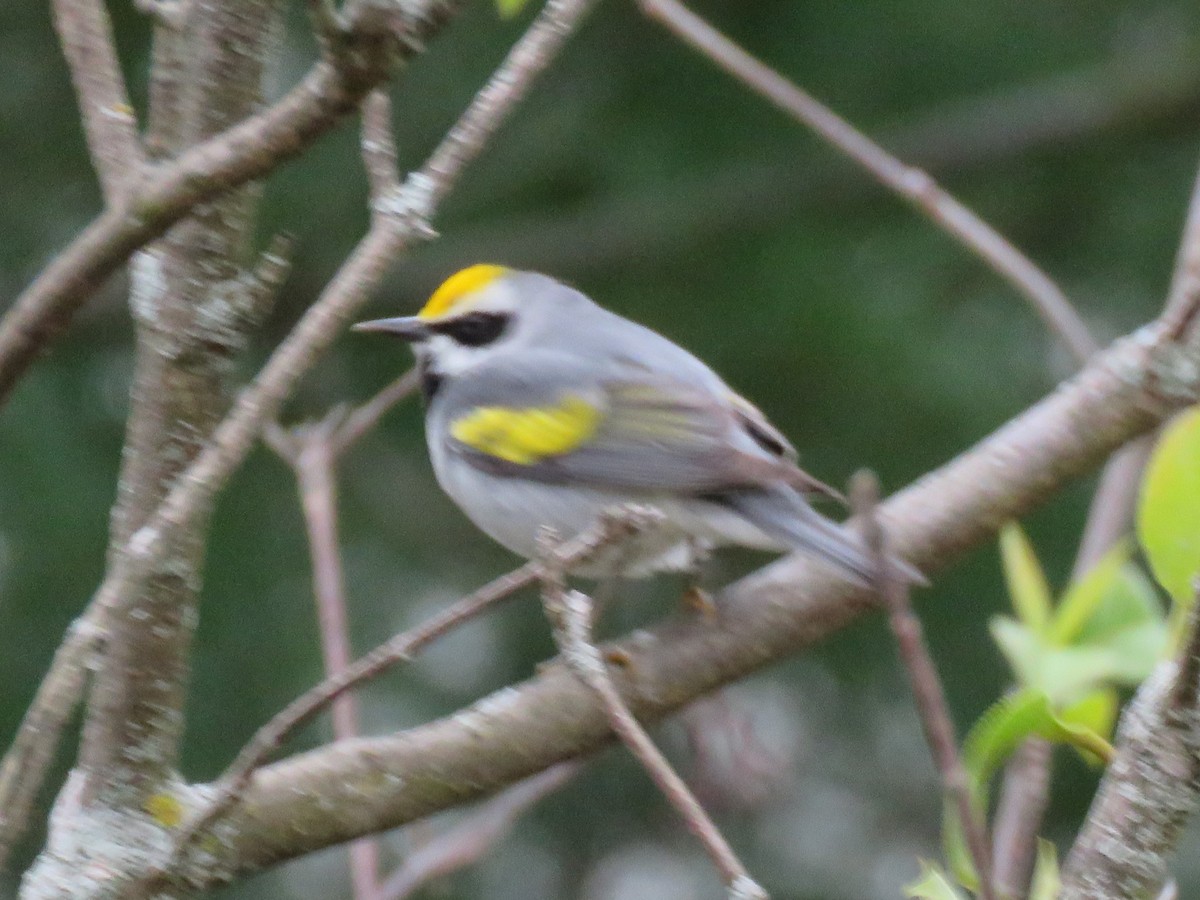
(1017, 716)
(1168, 520)
(1107, 630)
(1001, 729)
(1046, 882)
(932, 884)
(1027, 585)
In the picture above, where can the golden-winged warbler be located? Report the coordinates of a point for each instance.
(546, 410)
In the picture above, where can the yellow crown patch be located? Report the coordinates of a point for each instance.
(457, 287)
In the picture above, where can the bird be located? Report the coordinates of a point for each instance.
(544, 410)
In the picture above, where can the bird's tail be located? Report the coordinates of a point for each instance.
(786, 516)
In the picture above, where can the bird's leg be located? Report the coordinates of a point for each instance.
(696, 597)
(605, 593)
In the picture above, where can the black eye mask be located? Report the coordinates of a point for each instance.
(476, 329)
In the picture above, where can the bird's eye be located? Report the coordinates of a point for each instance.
(476, 329)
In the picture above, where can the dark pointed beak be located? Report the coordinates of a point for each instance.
(410, 328)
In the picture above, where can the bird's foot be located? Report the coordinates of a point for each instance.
(696, 599)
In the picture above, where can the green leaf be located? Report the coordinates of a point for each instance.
(1097, 711)
(1130, 601)
(1092, 720)
(1125, 658)
(1168, 521)
(1046, 883)
(1021, 647)
(1008, 721)
(1085, 594)
(932, 884)
(1027, 586)
(999, 731)
(954, 846)
(509, 9)
(1119, 643)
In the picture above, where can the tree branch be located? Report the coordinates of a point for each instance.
(346, 790)
(1150, 789)
(168, 192)
(1026, 787)
(1128, 834)
(909, 182)
(1024, 795)
(378, 146)
(193, 305)
(24, 767)
(85, 32)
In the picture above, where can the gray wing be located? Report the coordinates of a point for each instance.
(649, 431)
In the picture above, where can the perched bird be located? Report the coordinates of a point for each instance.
(545, 410)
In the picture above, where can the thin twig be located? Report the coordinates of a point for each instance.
(1059, 111)
(912, 183)
(318, 497)
(399, 649)
(1024, 797)
(378, 146)
(85, 32)
(1111, 512)
(24, 767)
(362, 419)
(259, 403)
(928, 694)
(312, 451)
(468, 841)
(570, 613)
(314, 465)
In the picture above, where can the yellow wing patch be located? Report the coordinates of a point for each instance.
(528, 435)
(458, 287)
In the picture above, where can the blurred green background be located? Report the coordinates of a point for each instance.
(667, 192)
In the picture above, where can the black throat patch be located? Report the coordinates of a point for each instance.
(431, 381)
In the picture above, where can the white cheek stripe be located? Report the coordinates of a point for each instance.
(451, 357)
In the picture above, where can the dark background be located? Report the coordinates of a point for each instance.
(664, 190)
